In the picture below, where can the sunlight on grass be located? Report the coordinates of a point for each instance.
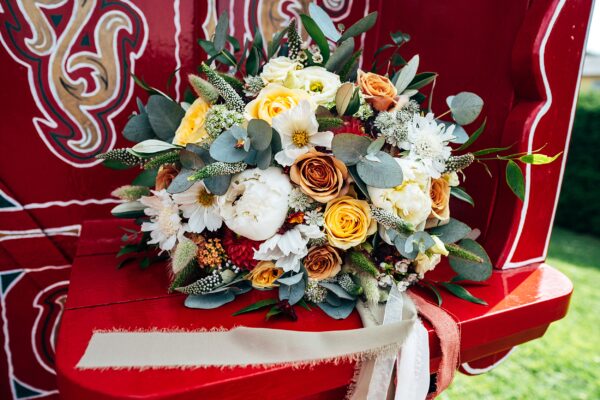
(565, 363)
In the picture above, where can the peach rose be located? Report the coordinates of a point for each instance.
(440, 201)
(322, 262)
(166, 174)
(320, 176)
(348, 222)
(264, 275)
(378, 90)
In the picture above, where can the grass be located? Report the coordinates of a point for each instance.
(565, 363)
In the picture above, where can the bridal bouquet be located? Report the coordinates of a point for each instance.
(290, 168)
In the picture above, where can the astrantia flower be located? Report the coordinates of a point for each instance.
(393, 125)
(165, 223)
(428, 143)
(299, 201)
(288, 248)
(200, 207)
(299, 131)
(314, 217)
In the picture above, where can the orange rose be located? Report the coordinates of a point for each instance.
(378, 90)
(322, 262)
(440, 202)
(320, 176)
(165, 176)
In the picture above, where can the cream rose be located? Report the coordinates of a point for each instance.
(348, 222)
(409, 201)
(191, 129)
(277, 69)
(256, 203)
(274, 99)
(427, 261)
(319, 83)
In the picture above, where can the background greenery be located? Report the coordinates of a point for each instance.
(564, 364)
(581, 188)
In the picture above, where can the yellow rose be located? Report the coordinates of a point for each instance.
(348, 222)
(191, 129)
(264, 275)
(274, 99)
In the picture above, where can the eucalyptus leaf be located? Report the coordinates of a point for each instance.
(294, 293)
(190, 160)
(465, 107)
(376, 145)
(451, 232)
(260, 133)
(460, 194)
(180, 183)
(291, 280)
(421, 239)
(359, 182)
(322, 19)
(209, 301)
(462, 293)
(146, 178)
(225, 149)
(152, 146)
(332, 300)
(353, 104)
(470, 270)
(361, 26)
(218, 185)
(131, 209)
(407, 74)
(460, 135)
(138, 129)
(400, 243)
(421, 80)
(337, 290)
(349, 148)
(340, 312)
(164, 116)
(515, 180)
(385, 173)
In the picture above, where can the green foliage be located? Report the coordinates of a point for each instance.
(363, 263)
(328, 123)
(317, 35)
(164, 158)
(515, 179)
(164, 116)
(203, 89)
(463, 261)
(465, 107)
(451, 232)
(577, 207)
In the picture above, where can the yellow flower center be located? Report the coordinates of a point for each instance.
(204, 198)
(316, 86)
(300, 138)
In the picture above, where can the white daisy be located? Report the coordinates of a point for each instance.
(200, 207)
(428, 143)
(299, 131)
(165, 225)
(288, 248)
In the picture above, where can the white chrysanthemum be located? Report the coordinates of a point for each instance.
(165, 223)
(428, 143)
(299, 131)
(289, 248)
(200, 207)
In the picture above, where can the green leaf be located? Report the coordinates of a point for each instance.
(164, 116)
(221, 31)
(224, 147)
(181, 183)
(421, 239)
(252, 62)
(343, 96)
(376, 145)
(115, 164)
(131, 209)
(341, 55)
(435, 291)
(384, 173)
(490, 150)
(291, 280)
(124, 262)
(460, 194)
(451, 232)
(218, 185)
(353, 104)
(129, 248)
(538, 159)
(190, 160)
(273, 312)
(407, 74)
(465, 107)
(256, 306)
(462, 293)
(260, 134)
(400, 38)
(340, 312)
(317, 35)
(138, 129)
(473, 137)
(146, 178)
(470, 270)
(460, 135)
(144, 263)
(304, 305)
(292, 293)
(337, 290)
(421, 80)
(325, 23)
(515, 180)
(274, 44)
(349, 148)
(152, 146)
(359, 182)
(361, 26)
(234, 42)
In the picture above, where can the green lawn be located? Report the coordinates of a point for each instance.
(565, 363)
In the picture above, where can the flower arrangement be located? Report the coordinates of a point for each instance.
(297, 171)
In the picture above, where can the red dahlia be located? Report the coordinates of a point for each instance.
(240, 250)
(351, 125)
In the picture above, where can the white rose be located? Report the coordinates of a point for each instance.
(256, 203)
(409, 201)
(321, 84)
(277, 69)
(431, 258)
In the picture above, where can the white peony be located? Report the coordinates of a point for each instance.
(277, 69)
(256, 203)
(319, 83)
(165, 224)
(299, 131)
(409, 201)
